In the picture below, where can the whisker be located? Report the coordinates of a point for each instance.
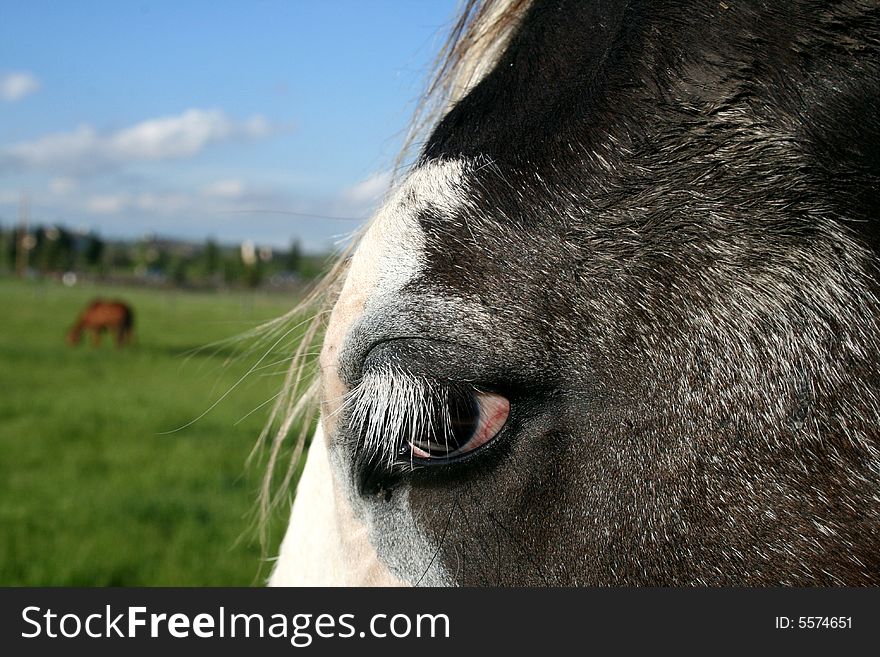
(231, 388)
(439, 544)
(258, 407)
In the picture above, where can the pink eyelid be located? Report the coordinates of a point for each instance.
(494, 410)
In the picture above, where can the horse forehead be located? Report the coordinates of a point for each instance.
(390, 254)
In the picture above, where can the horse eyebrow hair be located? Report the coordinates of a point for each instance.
(388, 406)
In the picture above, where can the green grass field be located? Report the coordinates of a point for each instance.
(92, 492)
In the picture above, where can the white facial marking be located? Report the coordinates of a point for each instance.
(325, 543)
(390, 254)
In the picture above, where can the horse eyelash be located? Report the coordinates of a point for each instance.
(390, 406)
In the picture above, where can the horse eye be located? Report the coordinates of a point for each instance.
(472, 419)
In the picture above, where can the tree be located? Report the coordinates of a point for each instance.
(211, 257)
(12, 247)
(293, 261)
(253, 274)
(5, 251)
(178, 270)
(94, 250)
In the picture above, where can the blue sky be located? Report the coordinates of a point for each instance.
(181, 118)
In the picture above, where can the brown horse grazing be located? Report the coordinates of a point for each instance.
(100, 316)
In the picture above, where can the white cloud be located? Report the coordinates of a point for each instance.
(61, 149)
(370, 190)
(169, 137)
(150, 202)
(61, 186)
(180, 136)
(15, 86)
(162, 203)
(107, 203)
(224, 189)
(257, 127)
(9, 196)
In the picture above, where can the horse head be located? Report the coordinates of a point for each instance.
(74, 335)
(619, 322)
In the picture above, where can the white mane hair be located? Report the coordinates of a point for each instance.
(476, 40)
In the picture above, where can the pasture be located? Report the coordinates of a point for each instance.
(92, 491)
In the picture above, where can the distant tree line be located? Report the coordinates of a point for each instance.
(52, 251)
